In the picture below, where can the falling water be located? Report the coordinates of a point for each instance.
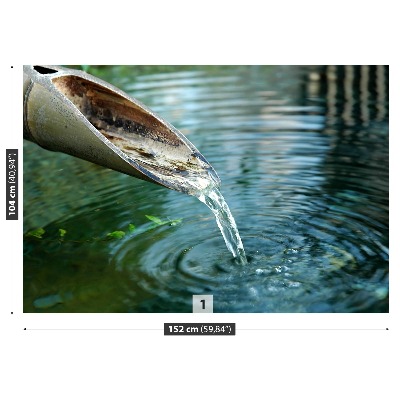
(213, 198)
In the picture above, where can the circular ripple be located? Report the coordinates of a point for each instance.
(295, 266)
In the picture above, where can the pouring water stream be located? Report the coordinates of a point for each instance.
(207, 191)
(213, 198)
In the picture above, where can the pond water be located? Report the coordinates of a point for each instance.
(302, 153)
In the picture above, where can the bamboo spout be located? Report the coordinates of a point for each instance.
(76, 113)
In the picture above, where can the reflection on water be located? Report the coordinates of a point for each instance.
(302, 153)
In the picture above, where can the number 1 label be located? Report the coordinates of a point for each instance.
(202, 303)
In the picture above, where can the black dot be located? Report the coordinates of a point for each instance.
(24, 329)
(12, 66)
(12, 312)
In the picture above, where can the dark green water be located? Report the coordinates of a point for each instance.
(302, 153)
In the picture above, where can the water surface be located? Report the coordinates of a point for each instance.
(302, 153)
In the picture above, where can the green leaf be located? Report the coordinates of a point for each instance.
(38, 233)
(62, 232)
(156, 220)
(116, 235)
(131, 227)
